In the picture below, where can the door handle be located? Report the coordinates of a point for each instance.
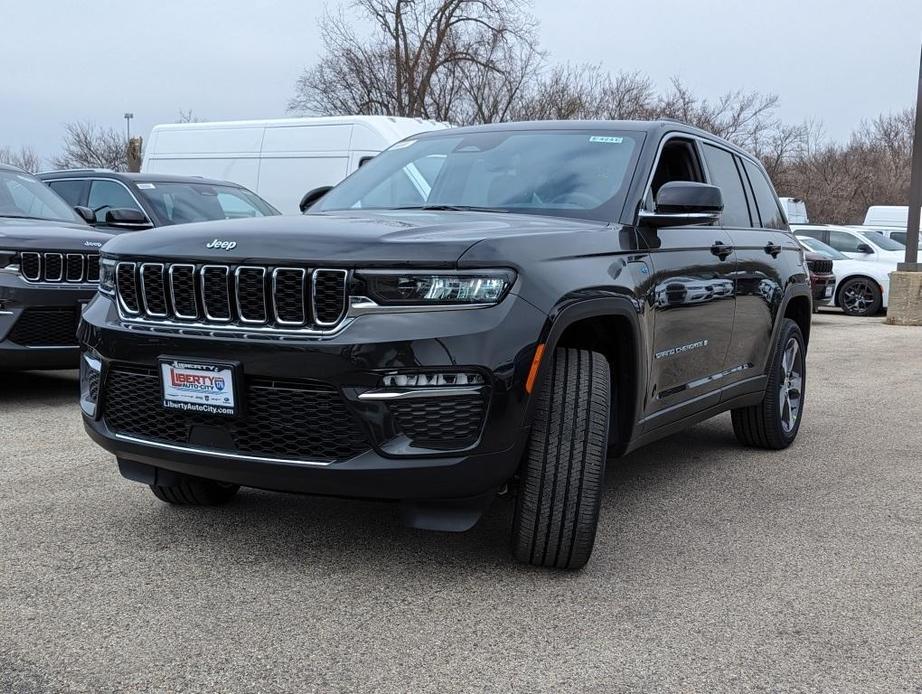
(721, 250)
(773, 249)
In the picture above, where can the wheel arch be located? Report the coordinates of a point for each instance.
(799, 308)
(612, 327)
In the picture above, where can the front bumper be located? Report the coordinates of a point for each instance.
(823, 287)
(19, 300)
(496, 342)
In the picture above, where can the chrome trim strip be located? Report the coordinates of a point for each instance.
(345, 308)
(201, 275)
(362, 305)
(134, 281)
(83, 264)
(275, 310)
(227, 327)
(144, 290)
(176, 312)
(262, 277)
(223, 454)
(419, 393)
(60, 276)
(52, 346)
(38, 277)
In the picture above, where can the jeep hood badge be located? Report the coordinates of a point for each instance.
(222, 245)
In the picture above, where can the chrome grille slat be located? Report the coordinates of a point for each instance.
(55, 267)
(243, 297)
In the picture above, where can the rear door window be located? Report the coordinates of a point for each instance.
(71, 191)
(722, 169)
(769, 208)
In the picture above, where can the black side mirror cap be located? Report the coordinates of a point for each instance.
(864, 248)
(684, 203)
(127, 218)
(86, 214)
(312, 196)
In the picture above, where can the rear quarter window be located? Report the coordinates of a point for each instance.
(769, 208)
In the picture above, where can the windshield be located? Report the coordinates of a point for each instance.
(819, 247)
(25, 197)
(566, 173)
(182, 203)
(882, 241)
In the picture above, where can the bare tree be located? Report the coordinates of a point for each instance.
(25, 157)
(424, 58)
(189, 117)
(89, 146)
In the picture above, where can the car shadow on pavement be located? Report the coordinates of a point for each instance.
(287, 531)
(32, 386)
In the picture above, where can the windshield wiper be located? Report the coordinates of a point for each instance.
(451, 208)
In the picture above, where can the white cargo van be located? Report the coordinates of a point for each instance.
(889, 220)
(281, 159)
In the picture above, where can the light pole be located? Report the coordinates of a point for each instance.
(915, 191)
(128, 117)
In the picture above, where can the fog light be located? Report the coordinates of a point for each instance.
(90, 368)
(433, 379)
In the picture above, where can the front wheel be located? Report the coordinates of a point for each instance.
(775, 421)
(860, 296)
(557, 508)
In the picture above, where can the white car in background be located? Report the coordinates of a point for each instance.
(862, 286)
(859, 244)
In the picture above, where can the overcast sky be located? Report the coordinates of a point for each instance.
(834, 60)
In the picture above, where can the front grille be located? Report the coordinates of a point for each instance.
(55, 267)
(297, 420)
(46, 327)
(820, 266)
(440, 422)
(284, 298)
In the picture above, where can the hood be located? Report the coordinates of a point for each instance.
(392, 238)
(42, 234)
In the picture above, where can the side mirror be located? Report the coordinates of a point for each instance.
(312, 196)
(127, 218)
(86, 214)
(864, 248)
(681, 203)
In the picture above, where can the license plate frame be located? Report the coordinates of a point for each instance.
(201, 386)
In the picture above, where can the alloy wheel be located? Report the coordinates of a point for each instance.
(858, 296)
(792, 380)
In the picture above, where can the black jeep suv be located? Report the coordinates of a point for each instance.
(49, 268)
(475, 310)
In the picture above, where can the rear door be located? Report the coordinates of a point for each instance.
(692, 298)
(765, 253)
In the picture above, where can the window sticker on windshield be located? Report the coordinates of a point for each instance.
(608, 139)
(401, 145)
(146, 186)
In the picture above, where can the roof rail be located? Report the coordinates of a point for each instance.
(674, 120)
(79, 170)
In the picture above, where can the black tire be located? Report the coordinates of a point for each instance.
(562, 476)
(860, 296)
(766, 425)
(195, 491)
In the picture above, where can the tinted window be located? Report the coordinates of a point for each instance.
(845, 242)
(899, 236)
(723, 171)
(23, 195)
(769, 208)
(71, 191)
(882, 241)
(181, 202)
(569, 173)
(812, 233)
(109, 195)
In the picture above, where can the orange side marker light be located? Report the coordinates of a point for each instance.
(533, 372)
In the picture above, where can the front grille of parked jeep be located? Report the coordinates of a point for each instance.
(440, 423)
(46, 327)
(297, 420)
(820, 266)
(59, 267)
(244, 296)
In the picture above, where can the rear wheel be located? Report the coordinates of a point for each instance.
(557, 508)
(860, 296)
(775, 421)
(195, 491)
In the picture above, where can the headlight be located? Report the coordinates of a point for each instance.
(398, 288)
(8, 260)
(107, 276)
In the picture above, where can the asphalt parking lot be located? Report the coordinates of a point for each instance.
(715, 569)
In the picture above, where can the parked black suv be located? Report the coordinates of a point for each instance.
(49, 268)
(474, 310)
(136, 201)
